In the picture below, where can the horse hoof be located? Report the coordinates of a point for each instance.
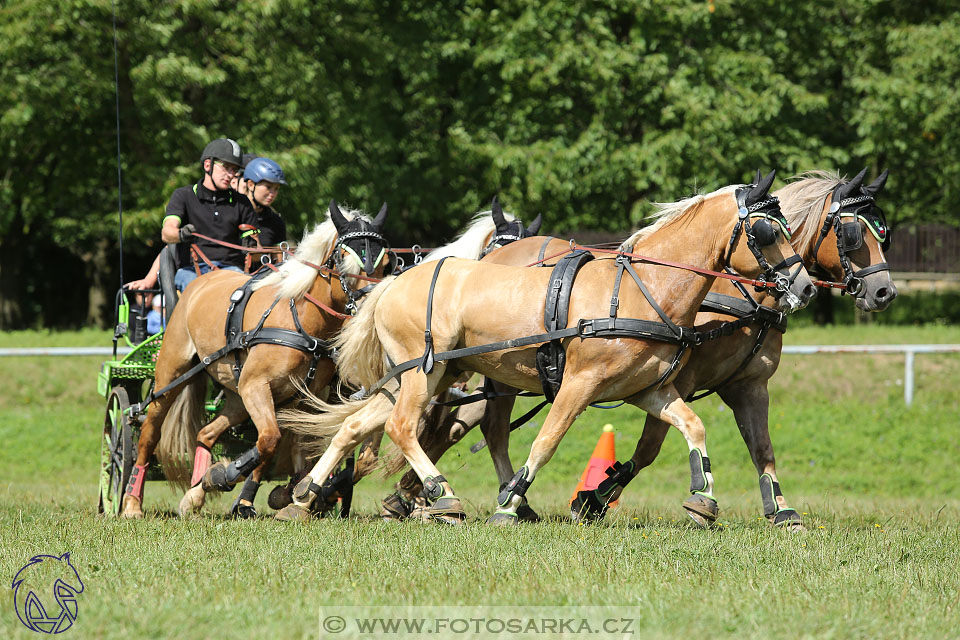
(215, 479)
(395, 507)
(701, 509)
(447, 510)
(525, 513)
(505, 518)
(131, 508)
(279, 497)
(294, 513)
(788, 519)
(243, 511)
(585, 508)
(192, 502)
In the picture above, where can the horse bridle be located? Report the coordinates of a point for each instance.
(761, 234)
(850, 237)
(365, 238)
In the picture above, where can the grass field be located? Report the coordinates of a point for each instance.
(874, 480)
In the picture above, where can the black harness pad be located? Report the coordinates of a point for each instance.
(551, 358)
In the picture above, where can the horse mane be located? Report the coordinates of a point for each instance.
(294, 278)
(668, 212)
(801, 201)
(472, 241)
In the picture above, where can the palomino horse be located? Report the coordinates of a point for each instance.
(487, 230)
(481, 306)
(737, 366)
(281, 337)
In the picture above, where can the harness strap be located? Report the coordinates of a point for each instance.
(427, 360)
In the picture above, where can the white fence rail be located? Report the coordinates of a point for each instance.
(909, 351)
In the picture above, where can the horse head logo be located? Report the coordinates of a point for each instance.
(34, 584)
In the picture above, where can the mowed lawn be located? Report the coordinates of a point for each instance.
(875, 480)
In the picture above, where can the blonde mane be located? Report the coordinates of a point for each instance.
(472, 241)
(802, 200)
(295, 278)
(668, 212)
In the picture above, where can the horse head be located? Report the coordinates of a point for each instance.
(760, 245)
(360, 243)
(849, 240)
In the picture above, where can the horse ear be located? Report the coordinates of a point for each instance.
(65, 557)
(875, 187)
(497, 213)
(764, 184)
(339, 220)
(535, 225)
(849, 188)
(758, 178)
(381, 217)
(858, 179)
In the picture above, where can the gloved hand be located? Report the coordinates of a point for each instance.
(186, 232)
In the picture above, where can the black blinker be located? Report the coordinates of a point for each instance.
(764, 233)
(852, 235)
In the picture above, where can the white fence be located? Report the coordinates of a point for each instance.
(909, 351)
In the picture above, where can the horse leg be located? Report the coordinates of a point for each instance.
(440, 431)
(750, 403)
(495, 427)
(666, 404)
(570, 402)
(415, 392)
(258, 400)
(172, 365)
(355, 429)
(592, 505)
(232, 413)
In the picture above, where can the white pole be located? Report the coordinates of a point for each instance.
(908, 378)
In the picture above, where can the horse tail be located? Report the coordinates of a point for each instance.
(322, 419)
(360, 357)
(178, 434)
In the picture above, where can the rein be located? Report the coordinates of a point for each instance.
(666, 263)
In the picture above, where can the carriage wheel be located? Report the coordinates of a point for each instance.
(116, 452)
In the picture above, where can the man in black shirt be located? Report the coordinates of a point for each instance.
(212, 208)
(261, 182)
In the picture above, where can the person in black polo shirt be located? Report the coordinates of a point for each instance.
(261, 182)
(212, 208)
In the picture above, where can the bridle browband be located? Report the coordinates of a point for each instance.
(852, 280)
(769, 209)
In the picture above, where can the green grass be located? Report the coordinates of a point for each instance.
(874, 479)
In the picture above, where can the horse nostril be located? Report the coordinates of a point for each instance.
(882, 294)
(810, 291)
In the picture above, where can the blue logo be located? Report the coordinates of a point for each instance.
(36, 582)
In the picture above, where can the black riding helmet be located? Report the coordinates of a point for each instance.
(223, 149)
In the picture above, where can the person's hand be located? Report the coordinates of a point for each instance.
(186, 233)
(139, 285)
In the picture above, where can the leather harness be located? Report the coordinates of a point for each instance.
(238, 339)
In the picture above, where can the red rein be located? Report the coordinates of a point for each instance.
(573, 246)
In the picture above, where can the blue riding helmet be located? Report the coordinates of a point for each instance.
(260, 169)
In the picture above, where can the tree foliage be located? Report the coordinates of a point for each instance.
(584, 111)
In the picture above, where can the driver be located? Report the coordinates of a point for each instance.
(213, 208)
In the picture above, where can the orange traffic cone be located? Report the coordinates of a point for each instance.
(604, 455)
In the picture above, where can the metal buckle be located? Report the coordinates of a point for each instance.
(585, 328)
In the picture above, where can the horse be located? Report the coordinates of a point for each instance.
(737, 366)
(486, 231)
(481, 306)
(279, 338)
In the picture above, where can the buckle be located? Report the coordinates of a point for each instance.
(585, 328)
